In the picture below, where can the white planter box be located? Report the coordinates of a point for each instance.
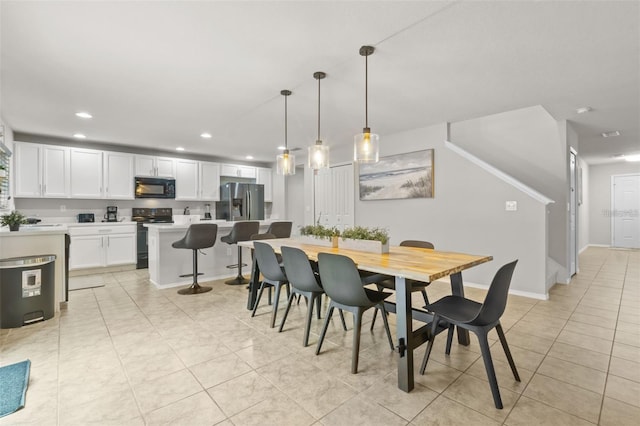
(364, 245)
(306, 239)
(3, 173)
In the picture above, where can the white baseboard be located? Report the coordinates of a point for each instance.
(528, 294)
(599, 245)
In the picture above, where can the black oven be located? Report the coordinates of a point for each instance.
(142, 216)
(148, 187)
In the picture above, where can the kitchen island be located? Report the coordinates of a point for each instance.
(34, 241)
(166, 263)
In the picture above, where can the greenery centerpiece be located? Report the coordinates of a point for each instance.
(320, 235)
(13, 220)
(363, 238)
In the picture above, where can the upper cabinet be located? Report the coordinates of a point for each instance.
(118, 175)
(41, 170)
(197, 180)
(264, 177)
(237, 171)
(86, 173)
(155, 166)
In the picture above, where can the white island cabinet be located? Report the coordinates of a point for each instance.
(166, 263)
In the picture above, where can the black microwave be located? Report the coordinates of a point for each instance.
(148, 187)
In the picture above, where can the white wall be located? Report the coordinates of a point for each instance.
(600, 198)
(467, 214)
(531, 146)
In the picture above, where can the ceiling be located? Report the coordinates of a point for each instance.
(158, 74)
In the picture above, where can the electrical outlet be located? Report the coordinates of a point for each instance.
(63, 208)
(511, 206)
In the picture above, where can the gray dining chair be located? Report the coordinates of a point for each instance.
(304, 282)
(389, 282)
(480, 318)
(341, 281)
(273, 276)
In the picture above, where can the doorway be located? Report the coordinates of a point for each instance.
(573, 207)
(625, 211)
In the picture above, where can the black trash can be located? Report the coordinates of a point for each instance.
(27, 290)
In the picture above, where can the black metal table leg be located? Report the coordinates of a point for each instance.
(254, 284)
(404, 335)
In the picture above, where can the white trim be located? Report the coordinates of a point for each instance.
(498, 173)
(528, 294)
(598, 245)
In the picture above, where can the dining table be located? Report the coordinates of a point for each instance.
(405, 264)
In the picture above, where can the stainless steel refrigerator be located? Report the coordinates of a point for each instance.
(240, 201)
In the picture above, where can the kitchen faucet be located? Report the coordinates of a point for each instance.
(186, 211)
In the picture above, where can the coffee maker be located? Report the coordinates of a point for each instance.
(207, 211)
(112, 214)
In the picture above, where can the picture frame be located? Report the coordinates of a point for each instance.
(400, 176)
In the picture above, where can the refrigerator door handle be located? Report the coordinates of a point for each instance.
(248, 205)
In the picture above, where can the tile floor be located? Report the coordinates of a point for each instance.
(128, 354)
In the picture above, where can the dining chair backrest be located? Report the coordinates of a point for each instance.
(267, 262)
(496, 299)
(280, 229)
(417, 243)
(340, 280)
(298, 270)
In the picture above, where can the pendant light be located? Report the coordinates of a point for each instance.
(366, 144)
(319, 153)
(285, 162)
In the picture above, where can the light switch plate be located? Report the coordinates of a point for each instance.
(511, 206)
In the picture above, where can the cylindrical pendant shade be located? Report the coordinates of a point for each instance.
(286, 164)
(366, 147)
(319, 156)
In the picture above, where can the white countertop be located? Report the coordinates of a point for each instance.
(34, 230)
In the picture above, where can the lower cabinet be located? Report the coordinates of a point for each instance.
(99, 246)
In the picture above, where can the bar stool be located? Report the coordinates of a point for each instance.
(198, 237)
(241, 231)
(280, 229)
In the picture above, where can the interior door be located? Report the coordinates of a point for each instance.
(573, 206)
(625, 209)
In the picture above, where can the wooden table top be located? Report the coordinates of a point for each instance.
(409, 262)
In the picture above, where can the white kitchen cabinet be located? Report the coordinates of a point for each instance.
(41, 170)
(102, 245)
(118, 176)
(209, 181)
(237, 171)
(86, 173)
(197, 180)
(147, 165)
(187, 180)
(263, 176)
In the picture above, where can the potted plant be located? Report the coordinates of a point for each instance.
(13, 220)
(362, 238)
(319, 235)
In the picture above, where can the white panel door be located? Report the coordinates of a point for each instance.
(343, 196)
(120, 249)
(626, 209)
(187, 180)
(86, 173)
(209, 181)
(26, 166)
(118, 175)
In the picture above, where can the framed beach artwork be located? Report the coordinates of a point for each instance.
(408, 175)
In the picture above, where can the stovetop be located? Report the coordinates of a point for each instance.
(147, 215)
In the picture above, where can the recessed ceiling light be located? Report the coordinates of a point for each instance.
(584, 110)
(79, 136)
(83, 114)
(634, 158)
(249, 157)
(282, 148)
(611, 134)
(179, 148)
(205, 135)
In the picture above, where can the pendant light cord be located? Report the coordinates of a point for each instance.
(285, 123)
(366, 91)
(318, 109)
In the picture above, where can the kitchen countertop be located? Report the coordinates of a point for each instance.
(224, 224)
(34, 230)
